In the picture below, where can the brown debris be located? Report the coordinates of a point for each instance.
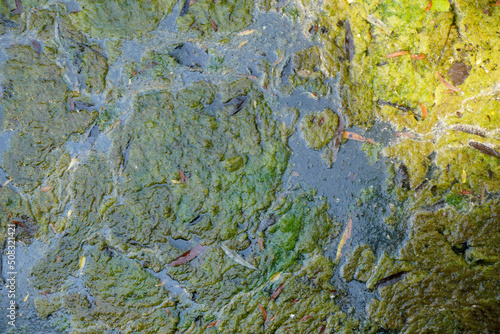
(264, 313)
(473, 130)
(485, 149)
(277, 292)
(187, 256)
(397, 54)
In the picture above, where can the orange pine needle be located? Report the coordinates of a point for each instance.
(446, 84)
(424, 110)
(418, 57)
(428, 6)
(16, 222)
(167, 310)
(397, 54)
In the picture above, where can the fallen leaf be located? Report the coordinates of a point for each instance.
(71, 103)
(428, 6)
(397, 54)
(183, 176)
(305, 318)
(497, 3)
(19, 223)
(272, 319)
(275, 277)
(261, 244)
(187, 256)
(313, 96)
(175, 181)
(6, 182)
(464, 176)
(446, 84)
(277, 292)
(36, 46)
(355, 136)
(424, 110)
(485, 149)
(466, 192)
(242, 43)
(45, 189)
(53, 227)
(246, 32)
(236, 257)
(345, 236)
(263, 311)
(405, 135)
(418, 57)
(214, 26)
(322, 329)
(212, 324)
(72, 163)
(248, 76)
(82, 262)
(168, 311)
(58, 258)
(26, 298)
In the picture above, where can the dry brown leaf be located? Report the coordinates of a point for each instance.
(264, 313)
(45, 189)
(261, 243)
(214, 25)
(345, 236)
(187, 256)
(428, 6)
(447, 85)
(418, 57)
(277, 292)
(355, 136)
(397, 54)
(212, 324)
(182, 175)
(424, 110)
(305, 318)
(246, 32)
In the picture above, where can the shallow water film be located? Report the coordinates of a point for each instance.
(237, 166)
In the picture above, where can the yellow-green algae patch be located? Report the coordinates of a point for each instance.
(206, 17)
(319, 128)
(120, 18)
(449, 261)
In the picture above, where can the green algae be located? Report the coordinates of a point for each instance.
(45, 123)
(319, 128)
(120, 18)
(450, 259)
(228, 16)
(129, 220)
